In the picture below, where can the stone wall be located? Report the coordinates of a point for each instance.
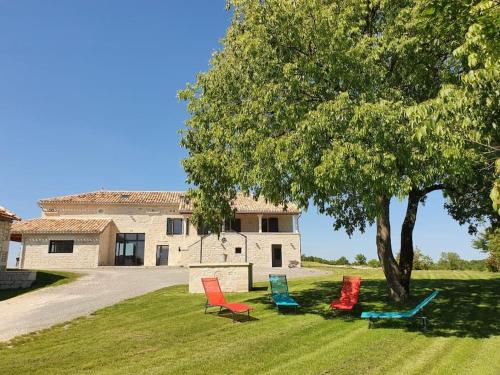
(4, 243)
(233, 277)
(150, 220)
(184, 249)
(259, 248)
(17, 279)
(35, 252)
(222, 248)
(107, 241)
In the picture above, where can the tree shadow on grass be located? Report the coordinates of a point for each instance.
(463, 308)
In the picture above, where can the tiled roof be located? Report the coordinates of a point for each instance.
(119, 197)
(246, 204)
(6, 214)
(61, 226)
(242, 203)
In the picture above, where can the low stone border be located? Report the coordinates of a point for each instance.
(17, 279)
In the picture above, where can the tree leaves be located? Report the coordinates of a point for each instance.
(335, 102)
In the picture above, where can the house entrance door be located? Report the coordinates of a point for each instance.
(276, 256)
(162, 255)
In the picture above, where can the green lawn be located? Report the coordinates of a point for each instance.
(43, 279)
(167, 332)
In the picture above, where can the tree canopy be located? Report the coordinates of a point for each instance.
(348, 104)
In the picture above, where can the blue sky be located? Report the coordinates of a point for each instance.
(88, 101)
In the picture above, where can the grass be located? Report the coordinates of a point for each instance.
(166, 332)
(43, 279)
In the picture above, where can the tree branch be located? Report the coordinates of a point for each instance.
(423, 192)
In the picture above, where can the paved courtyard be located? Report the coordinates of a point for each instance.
(98, 288)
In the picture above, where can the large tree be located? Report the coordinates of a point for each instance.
(335, 102)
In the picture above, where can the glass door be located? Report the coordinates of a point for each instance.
(162, 255)
(129, 250)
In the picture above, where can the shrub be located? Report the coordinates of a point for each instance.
(342, 261)
(360, 260)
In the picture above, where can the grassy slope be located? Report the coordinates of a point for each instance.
(43, 279)
(167, 332)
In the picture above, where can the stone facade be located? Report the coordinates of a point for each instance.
(17, 279)
(233, 277)
(35, 252)
(4, 242)
(10, 279)
(183, 249)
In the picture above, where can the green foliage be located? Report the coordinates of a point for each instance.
(422, 261)
(469, 109)
(489, 242)
(334, 102)
(360, 260)
(495, 192)
(312, 258)
(450, 261)
(447, 261)
(374, 263)
(342, 261)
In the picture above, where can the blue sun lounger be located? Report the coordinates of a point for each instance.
(279, 292)
(373, 315)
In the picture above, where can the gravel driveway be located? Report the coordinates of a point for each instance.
(96, 289)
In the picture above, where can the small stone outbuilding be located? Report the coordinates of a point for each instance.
(13, 279)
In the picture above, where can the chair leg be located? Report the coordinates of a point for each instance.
(424, 323)
(206, 306)
(248, 313)
(220, 309)
(370, 323)
(233, 317)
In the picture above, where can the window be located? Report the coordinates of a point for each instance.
(270, 224)
(174, 226)
(129, 249)
(237, 250)
(58, 246)
(232, 225)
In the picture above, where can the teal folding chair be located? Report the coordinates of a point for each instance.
(279, 292)
(374, 315)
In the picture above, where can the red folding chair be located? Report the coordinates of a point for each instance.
(215, 298)
(349, 294)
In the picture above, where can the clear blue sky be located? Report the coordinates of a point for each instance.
(88, 101)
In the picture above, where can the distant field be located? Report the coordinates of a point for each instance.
(323, 265)
(43, 279)
(167, 332)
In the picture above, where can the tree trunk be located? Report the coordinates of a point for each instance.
(384, 250)
(406, 255)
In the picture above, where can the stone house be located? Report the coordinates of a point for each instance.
(122, 228)
(6, 219)
(9, 279)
